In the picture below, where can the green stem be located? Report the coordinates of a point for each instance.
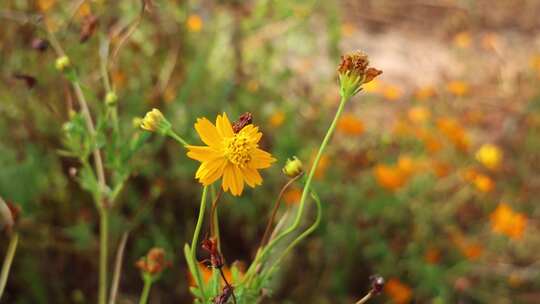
(300, 237)
(146, 290)
(195, 240)
(103, 253)
(305, 192)
(179, 139)
(12, 247)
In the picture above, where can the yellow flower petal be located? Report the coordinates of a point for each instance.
(224, 126)
(202, 153)
(252, 177)
(208, 132)
(261, 159)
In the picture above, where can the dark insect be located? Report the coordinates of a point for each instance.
(30, 81)
(244, 120)
(88, 28)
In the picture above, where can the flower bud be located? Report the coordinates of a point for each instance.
(154, 121)
(111, 98)
(293, 167)
(62, 63)
(354, 71)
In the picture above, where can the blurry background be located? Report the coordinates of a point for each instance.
(432, 179)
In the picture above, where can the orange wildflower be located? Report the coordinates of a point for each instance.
(458, 88)
(277, 118)
(419, 114)
(324, 162)
(463, 40)
(349, 124)
(454, 132)
(398, 292)
(292, 196)
(424, 93)
(392, 93)
(194, 23)
(507, 222)
(389, 177)
(433, 255)
(483, 183)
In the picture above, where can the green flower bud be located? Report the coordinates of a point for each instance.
(293, 167)
(62, 63)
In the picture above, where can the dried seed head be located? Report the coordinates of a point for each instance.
(354, 71)
(154, 262)
(377, 283)
(244, 120)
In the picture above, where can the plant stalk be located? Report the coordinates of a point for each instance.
(103, 254)
(8, 260)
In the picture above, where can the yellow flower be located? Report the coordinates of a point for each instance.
(458, 88)
(392, 93)
(398, 292)
(390, 177)
(194, 23)
(293, 167)
(350, 125)
(463, 40)
(45, 5)
(373, 86)
(507, 222)
(424, 93)
(234, 156)
(490, 156)
(419, 114)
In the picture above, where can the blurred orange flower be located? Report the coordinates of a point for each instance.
(206, 274)
(454, 132)
(483, 183)
(507, 222)
(390, 177)
(45, 5)
(194, 23)
(463, 40)
(398, 292)
(277, 118)
(392, 92)
(470, 249)
(373, 86)
(424, 93)
(349, 124)
(324, 162)
(419, 114)
(458, 88)
(441, 169)
(292, 196)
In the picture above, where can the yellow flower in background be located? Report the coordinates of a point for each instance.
(458, 88)
(234, 156)
(277, 118)
(373, 86)
(419, 114)
(424, 93)
(490, 156)
(45, 5)
(392, 92)
(348, 29)
(349, 124)
(194, 23)
(483, 183)
(398, 292)
(535, 62)
(84, 10)
(507, 222)
(463, 40)
(324, 162)
(406, 165)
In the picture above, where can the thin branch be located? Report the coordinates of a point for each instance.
(118, 267)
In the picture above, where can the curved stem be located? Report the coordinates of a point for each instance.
(12, 248)
(103, 254)
(300, 237)
(195, 240)
(176, 137)
(305, 192)
(146, 290)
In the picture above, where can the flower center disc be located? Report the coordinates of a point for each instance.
(237, 150)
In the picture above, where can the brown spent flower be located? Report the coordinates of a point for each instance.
(154, 262)
(354, 71)
(9, 214)
(244, 120)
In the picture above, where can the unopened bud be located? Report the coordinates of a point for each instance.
(293, 167)
(154, 121)
(62, 63)
(111, 98)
